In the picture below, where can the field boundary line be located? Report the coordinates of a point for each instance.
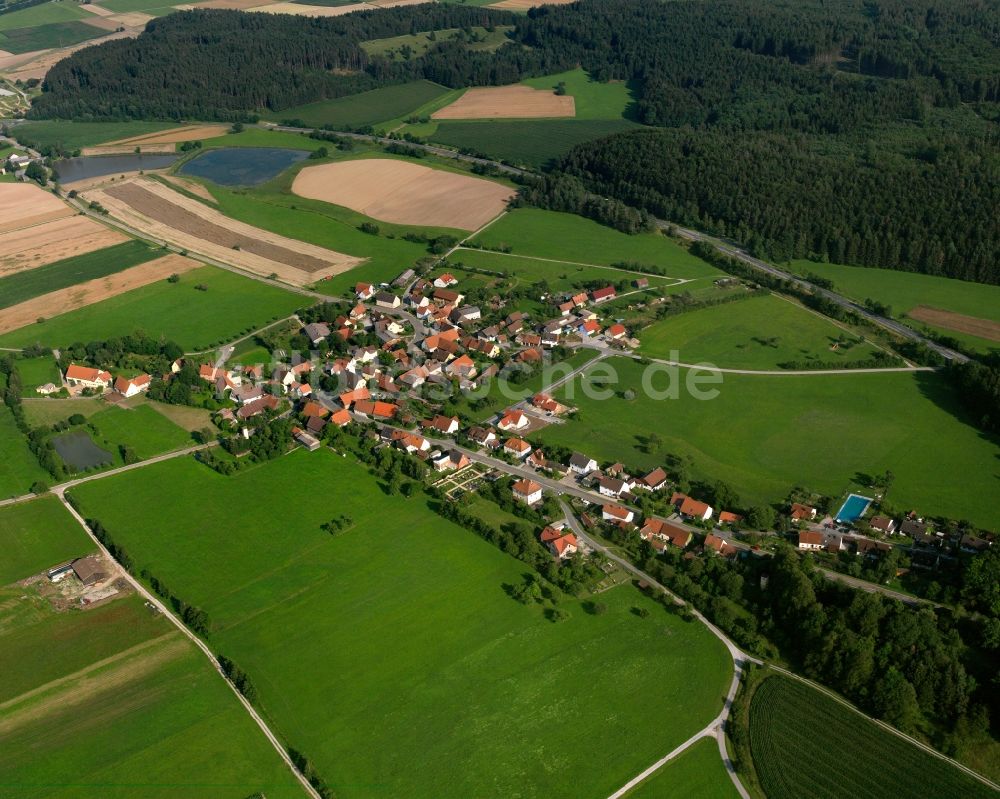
(161, 607)
(777, 372)
(570, 263)
(899, 733)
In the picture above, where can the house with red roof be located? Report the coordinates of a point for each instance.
(133, 385)
(517, 447)
(513, 420)
(605, 294)
(445, 280)
(691, 508)
(802, 513)
(86, 377)
(378, 410)
(809, 540)
(364, 291)
(615, 332)
(453, 459)
(616, 513)
(719, 545)
(443, 424)
(527, 491)
(667, 533)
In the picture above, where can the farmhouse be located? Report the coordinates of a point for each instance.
(89, 570)
(810, 540)
(616, 513)
(527, 491)
(85, 377)
(605, 294)
(132, 386)
(306, 439)
(258, 406)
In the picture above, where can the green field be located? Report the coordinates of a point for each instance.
(754, 333)
(420, 43)
(593, 100)
(528, 143)
(37, 372)
(805, 743)
(156, 8)
(31, 283)
(567, 237)
(42, 14)
(58, 34)
(367, 108)
(765, 434)
(36, 535)
(904, 291)
(697, 773)
(74, 135)
(47, 411)
(115, 702)
(390, 652)
(142, 428)
(196, 320)
(18, 466)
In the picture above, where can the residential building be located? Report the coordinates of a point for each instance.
(527, 491)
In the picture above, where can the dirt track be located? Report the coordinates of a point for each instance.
(167, 215)
(508, 102)
(405, 193)
(31, 247)
(960, 323)
(83, 294)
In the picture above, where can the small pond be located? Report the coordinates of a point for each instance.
(85, 167)
(242, 166)
(78, 450)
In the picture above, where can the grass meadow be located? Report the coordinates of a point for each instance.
(764, 434)
(754, 333)
(40, 411)
(31, 283)
(42, 37)
(593, 99)
(115, 702)
(37, 535)
(391, 654)
(75, 135)
(142, 428)
(37, 372)
(804, 743)
(420, 43)
(18, 466)
(196, 320)
(366, 108)
(42, 14)
(697, 773)
(567, 237)
(904, 291)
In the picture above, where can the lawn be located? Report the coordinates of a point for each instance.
(804, 743)
(75, 135)
(366, 108)
(37, 372)
(756, 333)
(36, 535)
(697, 773)
(231, 306)
(390, 653)
(113, 701)
(904, 291)
(31, 283)
(142, 428)
(567, 237)
(765, 434)
(47, 411)
(56, 34)
(18, 466)
(525, 142)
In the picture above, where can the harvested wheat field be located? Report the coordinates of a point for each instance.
(172, 136)
(300, 10)
(405, 193)
(103, 23)
(508, 102)
(35, 246)
(23, 205)
(83, 294)
(128, 149)
(95, 9)
(167, 215)
(191, 187)
(523, 5)
(232, 5)
(37, 63)
(960, 323)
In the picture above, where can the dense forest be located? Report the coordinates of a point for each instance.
(858, 131)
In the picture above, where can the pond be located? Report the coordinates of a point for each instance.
(242, 166)
(78, 450)
(85, 167)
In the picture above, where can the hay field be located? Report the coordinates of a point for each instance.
(508, 102)
(23, 205)
(524, 5)
(192, 187)
(299, 10)
(83, 294)
(173, 136)
(949, 320)
(404, 193)
(170, 216)
(53, 241)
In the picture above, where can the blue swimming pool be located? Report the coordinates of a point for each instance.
(854, 507)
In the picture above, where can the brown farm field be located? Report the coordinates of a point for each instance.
(960, 323)
(83, 294)
(508, 102)
(299, 10)
(53, 241)
(164, 214)
(404, 193)
(174, 135)
(523, 5)
(24, 204)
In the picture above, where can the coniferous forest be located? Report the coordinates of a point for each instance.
(858, 131)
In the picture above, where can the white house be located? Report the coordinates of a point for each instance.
(527, 491)
(132, 386)
(85, 377)
(581, 464)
